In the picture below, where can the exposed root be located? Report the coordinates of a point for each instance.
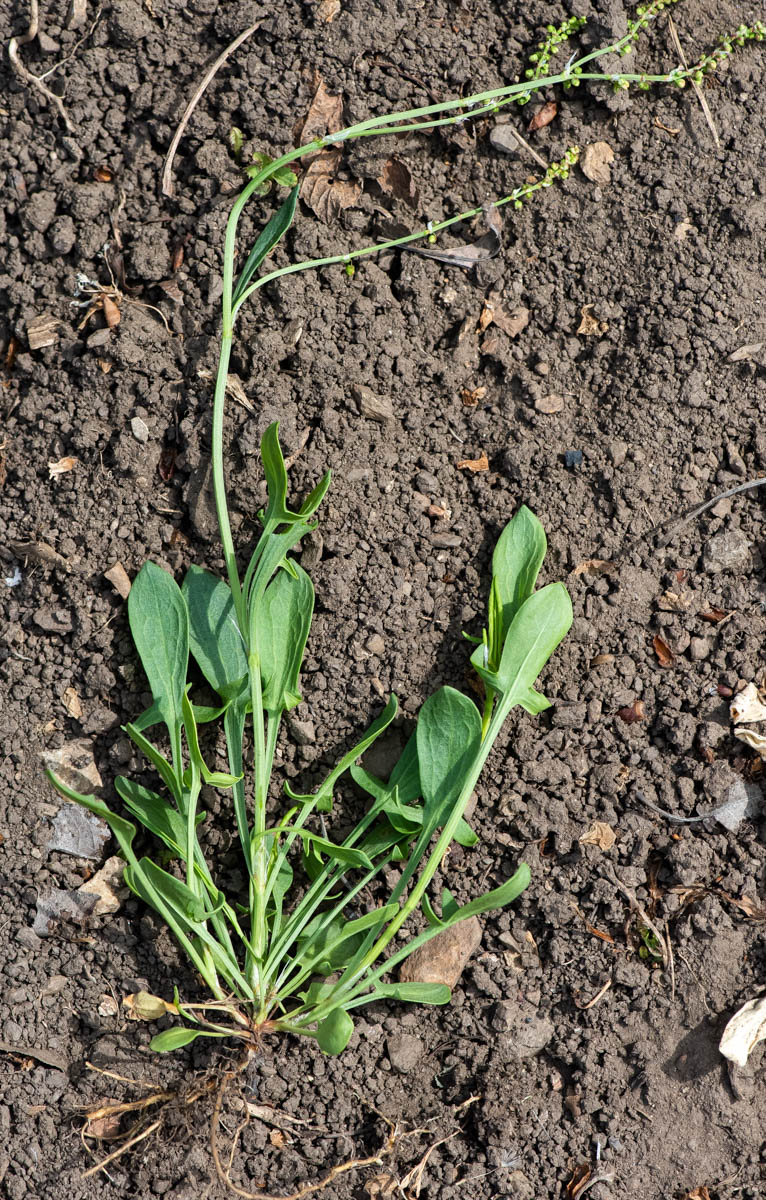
(224, 1175)
(13, 54)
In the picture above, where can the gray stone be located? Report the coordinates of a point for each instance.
(62, 235)
(375, 644)
(40, 210)
(302, 732)
(375, 408)
(404, 1051)
(727, 551)
(503, 138)
(569, 716)
(523, 1030)
(139, 429)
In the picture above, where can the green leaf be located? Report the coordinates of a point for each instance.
(334, 1032)
(497, 898)
(155, 814)
(159, 623)
(273, 232)
(406, 773)
(236, 141)
(174, 1039)
(516, 562)
(324, 948)
(158, 761)
(342, 854)
(448, 739)
(187, 906)
(414, 993)
(282, 623)
(535, 632)
(216, 641)
(213, 778)
(323, 794)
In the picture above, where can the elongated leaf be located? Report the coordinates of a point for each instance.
(414, 993)
(174, 1039)
(516, 562)
(213, 778)
(158, 761)
(535, 632)
(325, 945)
(216, 641)
(342, 854)
(276, 480)
(406, 773)
(267, 239)
(323, 796)
(334, 1032)
(154, 813)
(282, 624)
(497, 898)
(159, 622)
(184, 902)
(448, 740)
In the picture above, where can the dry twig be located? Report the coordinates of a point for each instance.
(167, 170)
(697, 88)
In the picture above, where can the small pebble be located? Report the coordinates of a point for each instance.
(375, 644)
(549, 404)
(502, 138)
(617, 452)
(139, 429)
(572, 459)
(727, 551)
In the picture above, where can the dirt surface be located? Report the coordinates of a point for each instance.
(670, 255)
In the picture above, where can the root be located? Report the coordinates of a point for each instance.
(213, 1084)
(351, 1164)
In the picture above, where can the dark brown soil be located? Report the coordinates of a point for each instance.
(671, 256)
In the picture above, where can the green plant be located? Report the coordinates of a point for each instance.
(304, 969)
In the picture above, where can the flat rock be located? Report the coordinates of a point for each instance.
(523, 1030)
(443, 959)
(503, 138)
(727, 551)
(404, 1051)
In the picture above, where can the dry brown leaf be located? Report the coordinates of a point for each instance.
(716, 615)
(103, 174)
(381, 1185)
(674, 601)
(632, 712)
(665, 655)
(474, 464)
(61, 467)
(599, 660)
(580, 1177)
(756, 741)
(143, 1006)
(682, 229)
(751, 908)
(111, 312)
(744, 352)
(325, 115)
(487, 315)
(744, 1031)
(511, 323)
(472, 396)
(327, 10)
(278, 1138)
(42, 331)
(71, 702)
(119, 579)
(747, 706)
(396, 180)
(324, 194)
(589, 325)
(600, 834)
(595, 162)
(699, 1193)
(543, 116)
(595, 566)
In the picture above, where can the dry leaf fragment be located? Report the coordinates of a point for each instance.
(74, 764)
(543, 116)
(665, 655)
(61, 467)
(119, 579)
(42, 331)
(278, 1138)
(745, 352)
(747, 706)
(589, 325)
(595, 162)
(472, 396)
(595, 566)
(511, 323)
(682, 229)
(580, 1177)
(327, 10)
(103, 1127)
(756, 741)
(111, 311)
(108, 1006)
(325, 195)
(381, 1185)
(71, 702)
(143, 1006)
(715, 615)
(474, 464)
(600, 834)
(325, 115)
(396, 180)
(744, 1031)
(632, 713)
(103, 174)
